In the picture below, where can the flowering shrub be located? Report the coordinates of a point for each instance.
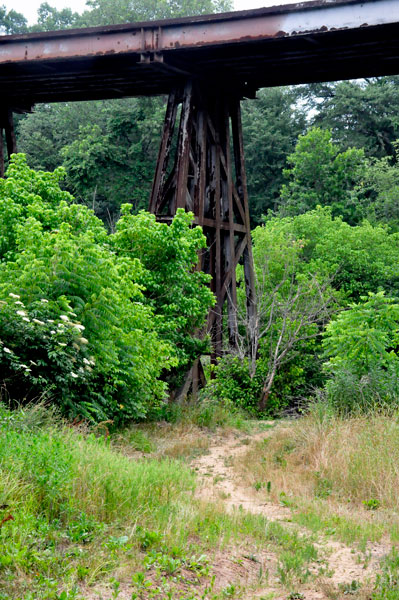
(85, 317)
(42, 351)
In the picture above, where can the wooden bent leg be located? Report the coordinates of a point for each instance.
(201, 180)
(7, 128)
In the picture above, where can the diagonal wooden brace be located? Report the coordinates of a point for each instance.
(206, 175)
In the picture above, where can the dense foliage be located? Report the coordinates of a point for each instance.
(83, 318)
(360, 113)
(108, 149)
(271, 126)
(323, 184)
(309, 268)
(320, 174)
(362, 345)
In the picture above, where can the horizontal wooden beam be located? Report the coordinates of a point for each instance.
(225, 225)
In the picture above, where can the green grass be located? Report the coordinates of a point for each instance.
(210, 414)
(83, 512)
(297, 553)
(77, 505)
(387, 585)
(339, 475)
(320, 519)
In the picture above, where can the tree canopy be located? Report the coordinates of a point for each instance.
(12, 21)
(109, 12)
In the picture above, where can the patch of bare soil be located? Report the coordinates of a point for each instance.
(217, 479)
(343, 564)
(239, 569)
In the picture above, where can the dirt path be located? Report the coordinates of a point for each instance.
(218, 482)
(217, 479)
(250, 572)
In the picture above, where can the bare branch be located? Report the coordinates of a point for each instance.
(289, 312)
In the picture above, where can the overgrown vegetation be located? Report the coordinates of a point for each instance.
(102, 312)
(322, 179)
(77, 511)
(339, 472)
(87, 318)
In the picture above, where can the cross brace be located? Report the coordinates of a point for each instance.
(201, 169)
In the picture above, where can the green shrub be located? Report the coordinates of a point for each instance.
(111, 327)
(363, 367)
(41, 350)
(320, 174)
(233, 383)
(176, 291)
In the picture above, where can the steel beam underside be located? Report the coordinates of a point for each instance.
(300, 43)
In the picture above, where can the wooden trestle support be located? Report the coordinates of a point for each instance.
(7, 127)
(205, 174)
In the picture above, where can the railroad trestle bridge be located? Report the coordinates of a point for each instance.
(206, 65)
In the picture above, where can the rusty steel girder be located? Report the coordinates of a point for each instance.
(303, 18)
(298, 43)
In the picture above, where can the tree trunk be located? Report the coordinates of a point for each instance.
(266, 390)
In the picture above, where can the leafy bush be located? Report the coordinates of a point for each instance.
(362, 344)
(41, 350)
(359, 259)
(176, 291)
(233, 383)
(54, 250)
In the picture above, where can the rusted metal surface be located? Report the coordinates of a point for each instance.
(164, 150)
(10, 133)
(245, 50)
(151, 36)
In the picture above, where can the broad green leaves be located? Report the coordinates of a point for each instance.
(135, 294)
(362, 345)
(320, 174)
(177, 292)
(365, 334)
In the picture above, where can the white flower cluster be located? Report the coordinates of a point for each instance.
(6, 350)
(66, 322)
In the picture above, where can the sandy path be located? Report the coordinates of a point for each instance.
(218, 481)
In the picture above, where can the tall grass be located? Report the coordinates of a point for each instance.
(73, 505)
(324, 455)
(75, 510)
(358, 455)
(67, 471)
